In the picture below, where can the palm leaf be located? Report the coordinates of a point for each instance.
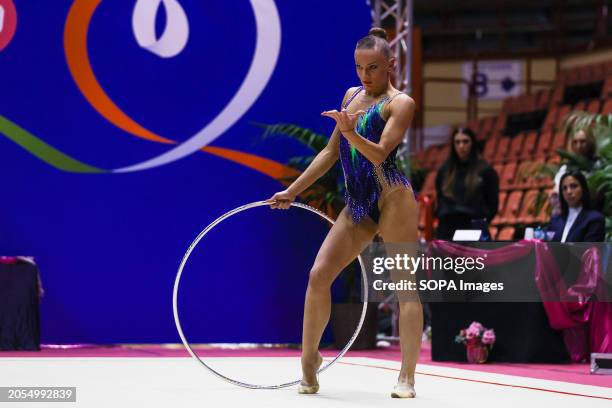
(573, 160)
(314, 141)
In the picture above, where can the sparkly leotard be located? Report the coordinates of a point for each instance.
(362, 178)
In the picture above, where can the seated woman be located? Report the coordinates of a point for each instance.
(577, 221)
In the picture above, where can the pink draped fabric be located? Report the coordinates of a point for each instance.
(586, 323)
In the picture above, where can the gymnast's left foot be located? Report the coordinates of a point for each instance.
(307, 385)
(404, 389)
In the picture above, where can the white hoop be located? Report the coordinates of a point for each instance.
(178, 279)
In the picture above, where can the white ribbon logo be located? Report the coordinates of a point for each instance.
(267, 49)
(176, 32)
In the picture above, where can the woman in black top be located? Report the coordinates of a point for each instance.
(467, 188)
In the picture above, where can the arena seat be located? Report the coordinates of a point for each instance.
(526, 214)
(529, 145)
(506, 234)
(516, 146)
(544, 144)
(501, 151)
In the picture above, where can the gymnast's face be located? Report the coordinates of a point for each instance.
(373, 69)
(572, 192)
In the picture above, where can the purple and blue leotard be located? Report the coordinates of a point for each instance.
(361, 176)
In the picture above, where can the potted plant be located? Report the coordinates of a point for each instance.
(478, 342)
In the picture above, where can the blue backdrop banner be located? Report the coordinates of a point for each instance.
(128, 126)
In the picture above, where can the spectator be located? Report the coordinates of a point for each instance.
(582, 143)
(577, 221)
(467, 188)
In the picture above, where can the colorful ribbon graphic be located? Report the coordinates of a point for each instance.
(175, 35)
(8, 22)
(171, 42)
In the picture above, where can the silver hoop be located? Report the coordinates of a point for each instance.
(178, 279)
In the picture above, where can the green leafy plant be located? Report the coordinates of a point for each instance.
(327, 193)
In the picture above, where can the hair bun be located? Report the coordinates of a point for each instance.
(378, 32)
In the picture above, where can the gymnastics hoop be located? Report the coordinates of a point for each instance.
(178, 280)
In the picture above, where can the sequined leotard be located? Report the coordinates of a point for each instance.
(362, 178)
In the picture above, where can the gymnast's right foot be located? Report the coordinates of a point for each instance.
(310, 379)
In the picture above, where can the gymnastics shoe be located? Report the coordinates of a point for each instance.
(403, 390)
(304, 388)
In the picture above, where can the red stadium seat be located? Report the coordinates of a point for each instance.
(544, 215)
(524, 178)
(557, 95)
(594, 106)
(544, 144)
(529, 146)
(508, 177)
(559, 142)
(607, 108)
(513, 205)
(503, 195)
(506, 234)
(561, 115)
(493, 233)
(551, 118)
(527, 214)
(516, 146)
(580, 106)
(501, 151)
(489, 148)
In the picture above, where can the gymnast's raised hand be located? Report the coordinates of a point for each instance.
(344, 120)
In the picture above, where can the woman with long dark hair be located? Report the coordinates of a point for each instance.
(578, 222)
(467, 188)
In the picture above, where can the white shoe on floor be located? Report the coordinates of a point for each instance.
(403, 390)
(304, 388)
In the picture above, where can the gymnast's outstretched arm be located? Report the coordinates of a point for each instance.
(321, 164)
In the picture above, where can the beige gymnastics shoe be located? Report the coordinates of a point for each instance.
(403, 390)
(304, 388)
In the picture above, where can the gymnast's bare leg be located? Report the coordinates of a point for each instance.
(398, 224)
(344, 242)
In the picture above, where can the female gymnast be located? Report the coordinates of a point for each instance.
(369, 128)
